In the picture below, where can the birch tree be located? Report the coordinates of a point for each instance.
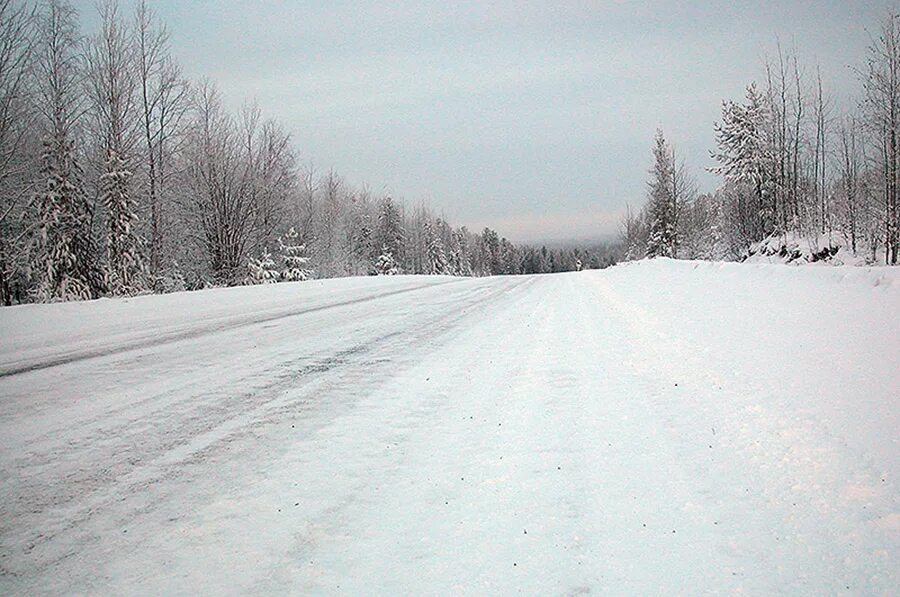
(881, 104)
(238, 178)
(17, 152)
(162, 105)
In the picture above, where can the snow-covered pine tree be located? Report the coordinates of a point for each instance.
(745, 157)
(454, 257)
(63, 264)
(361, 247)
(262, 270)
(386, 265)
(509, 258)
(109, 79)
(542, 261)
(436, 259)
(389, 234)
(294, 261)
(662, 209)
(460, 248)
(125, 268)
(490, 244)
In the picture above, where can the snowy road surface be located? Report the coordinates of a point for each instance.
(656, 428)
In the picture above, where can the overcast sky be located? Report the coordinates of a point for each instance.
(535, 118)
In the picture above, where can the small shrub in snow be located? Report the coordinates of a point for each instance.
(262, 270)
(796, 249)
(170, 281)
(385, 265)
(293, 258)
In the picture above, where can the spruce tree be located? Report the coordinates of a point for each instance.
(125, 270)
(437, 260)
(662, 209)
(461, 248)
(64, 266)
(262, 270)
(745, 157)
(490, 243)
(389, 233)
(361, 246)
(385, 264)
(64, 262)
(293, 258)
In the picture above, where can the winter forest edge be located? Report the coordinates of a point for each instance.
(119, 177)
(805, 179)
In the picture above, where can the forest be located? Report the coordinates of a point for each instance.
(118, 176)
(804, 179)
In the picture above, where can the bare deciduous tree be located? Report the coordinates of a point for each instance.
(237, 176)
(882, 107)
(17, 37)
(163, 95)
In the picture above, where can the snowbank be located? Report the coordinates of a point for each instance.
(822, 337)
(796, 249)
(776, 271)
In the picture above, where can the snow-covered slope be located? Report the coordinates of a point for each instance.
(823, 249)
(660, 427)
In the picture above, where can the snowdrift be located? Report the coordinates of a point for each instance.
(823, 249)
(774, 272)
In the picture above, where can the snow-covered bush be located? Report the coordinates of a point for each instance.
(293, 258)
(796, 249)
(385, 265)
(262, 270)
(172, 280)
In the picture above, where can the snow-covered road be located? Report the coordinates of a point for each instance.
(656, 428)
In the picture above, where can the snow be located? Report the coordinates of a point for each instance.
(659, 427)
(821, 249)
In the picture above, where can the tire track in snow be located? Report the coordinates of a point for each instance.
(20, 367)
(116, 461)
(434, 464)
